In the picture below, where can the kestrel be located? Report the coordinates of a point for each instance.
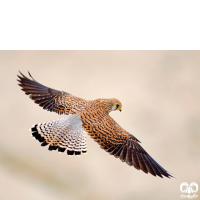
(90, 117)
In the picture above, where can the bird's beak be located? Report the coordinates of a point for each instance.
(120, 108)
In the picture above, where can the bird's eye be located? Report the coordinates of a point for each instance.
(117, 106)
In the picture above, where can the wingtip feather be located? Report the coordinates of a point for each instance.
(30, 75)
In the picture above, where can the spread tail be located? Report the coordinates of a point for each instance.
(62, 134)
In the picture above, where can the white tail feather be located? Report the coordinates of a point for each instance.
(65, 133)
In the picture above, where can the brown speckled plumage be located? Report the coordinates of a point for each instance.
(86, 116)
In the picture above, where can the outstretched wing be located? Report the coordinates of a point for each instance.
(48, 98)
(116, 141)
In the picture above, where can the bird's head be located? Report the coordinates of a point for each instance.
(113, 104)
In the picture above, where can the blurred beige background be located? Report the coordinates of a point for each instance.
(160, 93)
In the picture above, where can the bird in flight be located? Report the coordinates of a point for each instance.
(86, 116)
